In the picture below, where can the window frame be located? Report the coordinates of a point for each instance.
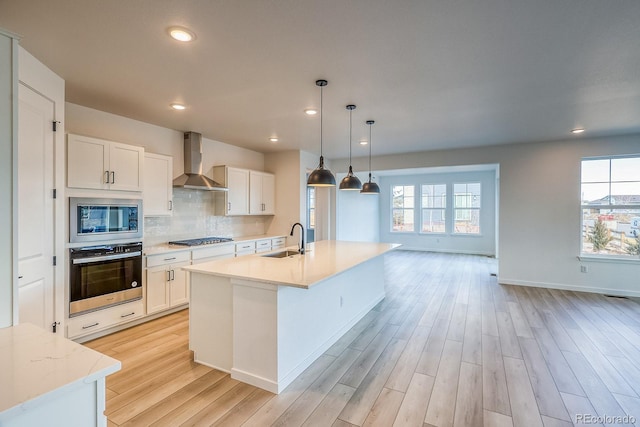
(393, 209)
(444, 209)
(611, 207)
(455, 210)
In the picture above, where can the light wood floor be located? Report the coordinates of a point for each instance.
(447, 347)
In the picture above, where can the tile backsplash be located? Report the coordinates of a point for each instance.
(194, 216)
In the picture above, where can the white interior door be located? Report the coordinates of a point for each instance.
(35, 208)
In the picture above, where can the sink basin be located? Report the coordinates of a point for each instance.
(282, 254)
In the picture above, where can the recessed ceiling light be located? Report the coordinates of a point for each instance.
(364, 142)
(177, 106)
(274, 139)
(311, 112)
(181, 34)
(577, 130)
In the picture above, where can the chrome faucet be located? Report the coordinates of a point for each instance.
(301, 245)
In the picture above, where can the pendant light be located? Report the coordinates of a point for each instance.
(370, 187)
(321, 177)
(350, 182)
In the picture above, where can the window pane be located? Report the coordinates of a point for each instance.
(627, 169)
(467, 221)
(433, 221)
(402, 220)
(625, 193)
(595, 170)
(611, 232)
(467, 195)
(595, 194)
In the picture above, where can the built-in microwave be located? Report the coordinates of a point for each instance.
(93, 220)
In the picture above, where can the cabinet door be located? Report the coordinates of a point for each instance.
(158, 185)
(255, 193)
(268, 194)
(87, 162)
(125, 167)
(157, 289)
(238, 194)
(178, 286)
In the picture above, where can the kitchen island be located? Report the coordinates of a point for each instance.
(266, 319)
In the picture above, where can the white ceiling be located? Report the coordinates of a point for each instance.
(433, 73)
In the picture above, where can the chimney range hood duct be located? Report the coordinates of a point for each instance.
(193, 177)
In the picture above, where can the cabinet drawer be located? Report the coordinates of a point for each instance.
(212, 251)
(278, 242)
(168, 258)
(245, 247)
(263, 245)
(102, 319)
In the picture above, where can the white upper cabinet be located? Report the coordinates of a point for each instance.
(105, 165)
(158, 185)
(261, 193)
(236, 200)
(250, 192)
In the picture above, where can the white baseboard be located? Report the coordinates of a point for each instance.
(445, 251)
(563, 286)
(255, 380)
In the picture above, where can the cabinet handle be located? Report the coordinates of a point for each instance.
(91, 326)
(173, 275)
(168, 275)
(20, 277)
(127, 315)
(106, 177)
(113, 177)
(169, 259)
(229, 207)
(170, 205)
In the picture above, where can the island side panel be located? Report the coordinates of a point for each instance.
(211, 320)
(255, 337)
(312, 320)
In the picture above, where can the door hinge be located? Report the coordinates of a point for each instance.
(54, 327)
(55, 193)
(55, 260)
(55, 125)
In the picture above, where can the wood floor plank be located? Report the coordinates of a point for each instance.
(544, 387)
(431, 354)
(414, 405)
(363, 399)
(494, 382)
(578, 406)
(327, 412)
(524, 409)
(631, 407)
(458, 320)
(385, 408)
(554, 422)
(508, 339)
(472, 343)
(220, 406)
(489, 321)
(441, 408)
(520, 323)
(494, 419)
(406, 366)
(243, 410)
(469, 400)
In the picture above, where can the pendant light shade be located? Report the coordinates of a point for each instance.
(370, 187)
(321, 177)
(350, 182)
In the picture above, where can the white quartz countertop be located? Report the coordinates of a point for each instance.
(166, 247)
(36, 364)
(322, 260)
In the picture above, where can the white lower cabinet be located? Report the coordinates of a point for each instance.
(105, 318)
(263, 245)
(245, 248)
(166, 287)
(278, 242)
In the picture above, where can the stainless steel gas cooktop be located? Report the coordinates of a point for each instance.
(201, 241)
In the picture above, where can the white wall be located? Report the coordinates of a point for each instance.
(483, 244)
(539, 209)
(8, 161)
(357, 215)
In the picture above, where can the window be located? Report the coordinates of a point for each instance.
(311, 202)
(434, 204)
(610, 199)
(466, 208)
(402, 197)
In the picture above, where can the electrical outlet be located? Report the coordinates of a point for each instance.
(584, 269)
(341, 301)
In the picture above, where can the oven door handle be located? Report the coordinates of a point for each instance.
(106, 258)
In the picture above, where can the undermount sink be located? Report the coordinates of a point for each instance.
(282, 254)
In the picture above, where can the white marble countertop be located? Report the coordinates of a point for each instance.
(36, 365)
(322, 260)
(166, 247)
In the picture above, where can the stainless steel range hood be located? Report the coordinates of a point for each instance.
(193, 177)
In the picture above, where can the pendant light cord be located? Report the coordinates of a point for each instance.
(321, 91)
(370, 151)
(350, 113)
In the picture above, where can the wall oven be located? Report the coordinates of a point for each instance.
(92, 220)
(102, 276)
